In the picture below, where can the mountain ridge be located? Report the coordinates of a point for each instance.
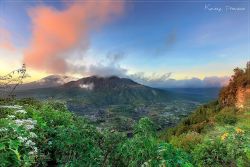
(100, 83)
(100, 91)
(46, 82)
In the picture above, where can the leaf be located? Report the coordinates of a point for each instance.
(14, 144)
(2, 146)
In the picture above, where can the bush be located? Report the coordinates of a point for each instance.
(186, 141)
(46, 136)
(76, 144)
(142, 147)
(167, 155)
(230, 149)
(18, 140)
(227, 116)
(134, 152)
(211, 153)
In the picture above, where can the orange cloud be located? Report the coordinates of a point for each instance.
(5, 40)
(55, 32)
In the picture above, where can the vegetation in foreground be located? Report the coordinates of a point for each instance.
(42, 134)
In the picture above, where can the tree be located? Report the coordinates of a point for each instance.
(240, 79)
(9, 82)
(248, 72)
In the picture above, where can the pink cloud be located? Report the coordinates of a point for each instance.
(54, 32)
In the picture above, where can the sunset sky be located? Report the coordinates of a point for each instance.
(145, 40)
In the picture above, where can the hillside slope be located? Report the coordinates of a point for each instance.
(218, 134)
(243, 98)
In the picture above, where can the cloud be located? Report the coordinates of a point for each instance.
(115, 57)
(154, 79)
(106, 70)
(5, 40)
(150, 79)
(164, 81)
(56, 32)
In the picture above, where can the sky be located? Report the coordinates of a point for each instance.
(162, 43)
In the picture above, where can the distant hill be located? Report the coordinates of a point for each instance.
(47, 82)
(103, 83)
(99, 91)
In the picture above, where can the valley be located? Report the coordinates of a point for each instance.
(118, 103)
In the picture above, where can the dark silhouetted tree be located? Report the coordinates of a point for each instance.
(9, 82)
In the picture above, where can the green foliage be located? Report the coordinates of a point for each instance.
(145, 127)
(211, 153)
(143, 146)
(59, 137)
(230, 149)
(186, 141)
(167, 155)
(76, 144)
(227, 116)
(47, 134)
(17, 141)
(213, 136)
(134, 152)
(110, 145)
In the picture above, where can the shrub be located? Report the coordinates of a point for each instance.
(167, 155)
(145, 127)
(49, 135)
(134, 152)
(230, 149)
(76, 145)
(211, 153)
(109, 145)
(142, 147)
(186, 141)
(227, 116)
(18, 140)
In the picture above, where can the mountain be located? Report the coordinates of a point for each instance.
(102, 83)
(95, 90)
(49, 81)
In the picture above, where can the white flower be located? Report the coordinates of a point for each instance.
(11, 116)
(31, 153)
(34, 152)
(3, 129)
(50, 142)
(30, 143)
(22, 139)
(29, 127)
(33, 135)
(17, 106)
(27, 123)
(12, 107)
(35, 149)
(21, 112)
